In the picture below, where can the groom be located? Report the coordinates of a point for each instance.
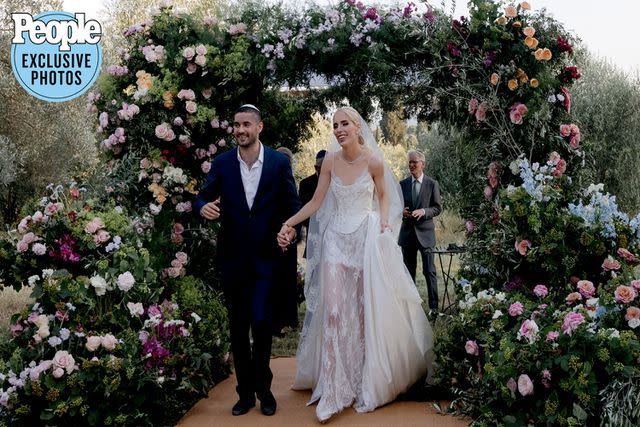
(257, 194)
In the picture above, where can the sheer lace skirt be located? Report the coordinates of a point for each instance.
(342, 348)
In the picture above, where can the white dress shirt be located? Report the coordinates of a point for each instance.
(251, 176)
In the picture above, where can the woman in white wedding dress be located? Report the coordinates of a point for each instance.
(365, 337)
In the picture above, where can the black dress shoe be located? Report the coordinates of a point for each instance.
(242, 406)
(268, 404)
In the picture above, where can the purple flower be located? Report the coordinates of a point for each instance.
(454, 49)
(516, 309)
(552, 335)
(525, 385)
(471, 347)
(571, 322)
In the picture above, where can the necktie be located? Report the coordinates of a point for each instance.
(415, 191)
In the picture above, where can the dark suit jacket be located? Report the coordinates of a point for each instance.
(429, 200)
(307, 188)
(247, 246)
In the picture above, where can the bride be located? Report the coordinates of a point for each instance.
(365, 337)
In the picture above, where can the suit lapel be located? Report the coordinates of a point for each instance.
(238, 186)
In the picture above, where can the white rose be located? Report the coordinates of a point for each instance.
(634, 323)
(100, 284)
(109, 342)
(41, 321)
(93, 343)
(63, 359)
(135, 309)
(39, 249)
(125, 281)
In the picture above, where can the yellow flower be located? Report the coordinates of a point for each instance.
(525, 5)
(502, 20)
(529, 31)
(130, 90)
(534, 83)
(512, 84)
(517, 24)
(494, 79)
(191, 187)
(511, 11)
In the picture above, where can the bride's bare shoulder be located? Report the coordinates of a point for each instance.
(375, 161)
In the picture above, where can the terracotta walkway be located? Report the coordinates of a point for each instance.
(292, 409)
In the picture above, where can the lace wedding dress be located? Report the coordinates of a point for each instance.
(365, 337)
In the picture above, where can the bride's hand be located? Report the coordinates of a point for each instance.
(286, 236)
(384, 225)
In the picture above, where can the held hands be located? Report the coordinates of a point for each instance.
(406, 213)
(286, 236)
(211, 210)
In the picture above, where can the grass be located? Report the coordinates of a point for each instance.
(11, 302)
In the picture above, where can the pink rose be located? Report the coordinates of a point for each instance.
(552, 335)
(512, 385)
(22, 246)
(109, 342)
(625, 294)
(472, 348)
(529, 329)
(200, 60)
(571, 322)
(58, 373)
(574, 141)
(469, 226)
(178, 121)
(516, 117)
(188, 53)
(205, 167)
(586, 288)
(473, 105)
(635, 284)
(145, 163)
(178, 228)
(212, 149)
(565, 130)
(182, 257)
(93, 343)
(546, 378)
(561, 168)
(632, 313)
(517, 113)
(516, 309)
(30, 237)
(554, 158)
(62, 359)
(215, 123)
(522, 246)
(573, 297)
(540, 291)
(488, 192)
(622, 252)
(103, 236)
(222, 143)
(191, 107)
(186, 94)
(525, 386)
(481, 113)
(610, 264)
(39, 249)
(164, 132)
(174, 272)
(201, 49)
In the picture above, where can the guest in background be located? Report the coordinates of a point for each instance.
(308, 187)
(421, 204)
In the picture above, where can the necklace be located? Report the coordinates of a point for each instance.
(352, 161)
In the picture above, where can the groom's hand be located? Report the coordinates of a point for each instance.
(211, 210)
(418, 213)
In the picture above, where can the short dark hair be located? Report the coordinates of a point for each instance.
(321, 154)
(249, 108)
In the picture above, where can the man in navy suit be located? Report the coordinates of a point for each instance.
(417, 234)
(251, 189)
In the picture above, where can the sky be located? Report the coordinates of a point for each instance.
(601, 25)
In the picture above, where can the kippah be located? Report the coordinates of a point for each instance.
(253, 107)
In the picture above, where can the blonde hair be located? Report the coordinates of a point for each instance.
(355, 117)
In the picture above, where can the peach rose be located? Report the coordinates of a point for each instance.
(512, 84)
(501, 20)
(561, 168)
(625, 294)
(546, 54)
(538, 54)
(586, 288)
(632, 313)
(525, 5)
(510, 11)
(531, 42)
(534, 83)
(529, 31)
(610, 264)
(494, 79)
(573, 297)
(517, 24)
(522, 246)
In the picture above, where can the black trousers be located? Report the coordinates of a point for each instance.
(250, 310)
(410, 257)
